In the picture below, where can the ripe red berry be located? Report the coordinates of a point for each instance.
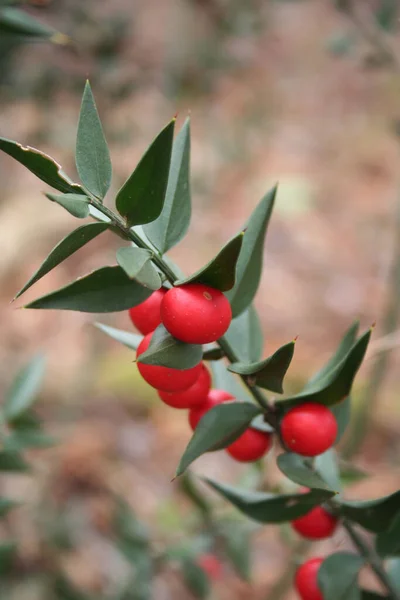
(250, 446)
(309, 429)
(195, 313)
(214, 397)
(316, 524)
(195, 395)
(211, 565)
(146, 316)
(165, 378)
(306, 581)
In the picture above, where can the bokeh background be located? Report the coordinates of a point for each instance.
(287, 91)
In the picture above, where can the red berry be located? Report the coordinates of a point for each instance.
(193, 396)
(316, 524)
(214, 397)
(195, 313)
(309, 429)
(250, 446)
(146, 316)
(306, 581)
(164, 378)
(211, 565)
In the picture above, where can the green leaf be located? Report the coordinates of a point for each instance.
(65, 590)
(108, 289)
(128, 339)
(387, 14)
(24, 389)
(338, 574)
(42, 165)
(12, 462)
(219, 273)
(6, 505)
(245, 336)
(28, 438)
(296, 469)
(21, 24)
(342, 413)
(172, 224)
(136, 262)
(189, 488)
(270, 508)
(336, 385)
(76, 204)
(350, 473)
(167, 351)
(68, 246)
(270, 372)
(224, 380)
(92, 156)
(368, 595)
(8, 550)
(236, 538)
(127, 526)
(219, 427)
(213, 354)
(388, 542)
(394, 572)
(375, 515)
(195, 579)
(327, 467)
(141, 198)
(249, 266)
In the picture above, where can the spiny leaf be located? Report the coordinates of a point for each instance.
(12, 462)
(296, 469)
(167, 351)
(195, 578)
(375, 515)
(19, 23)
(136, 262)
(388, 542)
(76, 204)
(338, 574)
(128, 339)
(326, 465)
(245, 336)
(24, 389)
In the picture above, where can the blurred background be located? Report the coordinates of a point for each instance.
(289, 91)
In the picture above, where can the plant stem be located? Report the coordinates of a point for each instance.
(372, 559)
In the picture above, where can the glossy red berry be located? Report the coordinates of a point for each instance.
(309, 429)
(195, 395)
(316, 524)
(306, 580)
(164, 378)
(214, 397)
(195, 313)
(250, 446)
(211, 565)
(146, 316)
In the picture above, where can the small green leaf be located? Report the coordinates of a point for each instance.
(76, 204)
(245, 336)
(219, 273)
(127, 526)
(224, 380)
(8, 551)
(394, 573)
(42, 165)
(172, 224)
(136, 262)
(141, 198)
(375, 515)
(350, 473)
(213, 354)
(338, 574)
(219, 427)
(271, 508)
(342, 413)
(368, 595)
(68, 246)
(28, 438)
(6, 505)
(21, 24)
(108, 289)
(296, 469)
(12, 462)
(249, 265)
(92, 156)
(326, 465)
(388, 542)
(195, 578)
(336, 385)
(128, 339)
(167, 351)
(270, 372)
(189, 488)
(24, 389)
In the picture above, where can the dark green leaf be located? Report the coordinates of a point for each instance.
(368, 595)
(245, 336)
(342, 412)
(28, 438)
(326, 465)
(271, 508)
(27, 420)
(195, 579)
(249, 266)
(108, 289)
(219, 427)
(70, 244)
(42, 165)
(12, 462)
(394, 573)
(24, 389)
(213, 354)
(172, 224)
(387, 14)
(128, 339)
(92, 156)
(350, 473)
(260, 424)
(236, 539)
(191, 491)
(338, 574)
(296, 469)
(141, 198)
(270, 372)
(167, 351)
(388, 542)
(136, 262)
(224, 380)
(65, 590)
(219, 273)
(8, 551)
(375, 515)
(76, 204)
(19, 23)
(127, 526)
(335, 386)
(6, 505)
